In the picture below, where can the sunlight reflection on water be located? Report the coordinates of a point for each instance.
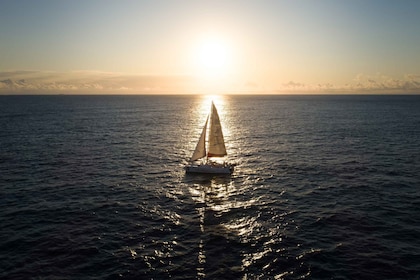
(223, 216)
(229, 215)
(99, 190)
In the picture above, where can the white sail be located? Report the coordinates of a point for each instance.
(216, 146)
(200, 149)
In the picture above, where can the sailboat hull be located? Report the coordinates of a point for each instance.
(209, 169)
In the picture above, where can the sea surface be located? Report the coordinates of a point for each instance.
(325, 187)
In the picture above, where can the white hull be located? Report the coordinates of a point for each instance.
(209, 169)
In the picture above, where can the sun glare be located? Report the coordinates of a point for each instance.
(206, 99)
(213, 58)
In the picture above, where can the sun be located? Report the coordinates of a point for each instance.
(213, 57)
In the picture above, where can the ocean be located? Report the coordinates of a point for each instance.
(325, 187)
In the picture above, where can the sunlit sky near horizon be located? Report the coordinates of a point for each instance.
(104, 46)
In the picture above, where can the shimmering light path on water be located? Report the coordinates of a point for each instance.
(326, 187)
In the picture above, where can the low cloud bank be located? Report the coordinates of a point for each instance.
(88, 82)
(378, 83)
(92, 82)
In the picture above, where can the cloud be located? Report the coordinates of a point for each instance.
(96, 82)
(303, 87)
(362, 83)
(44, 82)
(407, 84)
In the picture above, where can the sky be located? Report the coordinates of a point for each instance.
(282, 46)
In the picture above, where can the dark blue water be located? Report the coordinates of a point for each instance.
(93, 187)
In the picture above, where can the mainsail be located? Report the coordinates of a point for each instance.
(216, 142)
(200, 149)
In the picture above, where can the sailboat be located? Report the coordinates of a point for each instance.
(202, 160)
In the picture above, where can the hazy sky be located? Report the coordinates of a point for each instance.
(197, 46)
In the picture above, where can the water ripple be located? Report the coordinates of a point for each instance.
(325, 188)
